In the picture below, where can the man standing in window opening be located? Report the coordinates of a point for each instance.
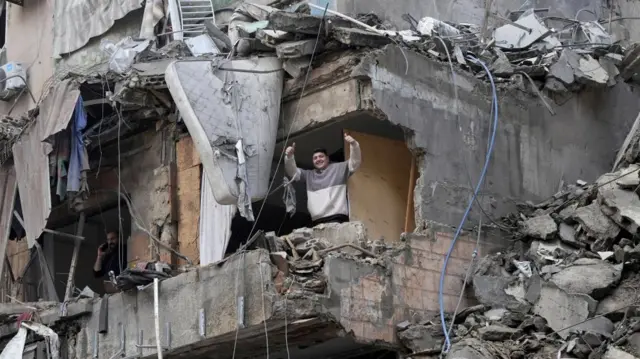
(107, 260)
(326, 183)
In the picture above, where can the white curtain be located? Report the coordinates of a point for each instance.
(215, 225)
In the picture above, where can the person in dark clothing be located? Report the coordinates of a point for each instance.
(107, 260)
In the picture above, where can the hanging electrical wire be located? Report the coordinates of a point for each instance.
(447, 345)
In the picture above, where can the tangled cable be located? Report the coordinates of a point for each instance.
(443, 274)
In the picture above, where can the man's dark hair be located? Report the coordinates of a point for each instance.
(114, 231)
(321, 150)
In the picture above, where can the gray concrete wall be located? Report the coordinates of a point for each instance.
(533, 151)
(210, 288)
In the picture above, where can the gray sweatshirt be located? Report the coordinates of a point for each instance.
(326, 188)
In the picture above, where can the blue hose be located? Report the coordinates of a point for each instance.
(443, 274)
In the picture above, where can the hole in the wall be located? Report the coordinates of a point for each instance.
(380, 192)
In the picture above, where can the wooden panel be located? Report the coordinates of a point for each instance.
(186, 154)
(188, 198)
(378, 191)
(18, 254)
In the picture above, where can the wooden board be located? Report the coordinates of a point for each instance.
(379, 190)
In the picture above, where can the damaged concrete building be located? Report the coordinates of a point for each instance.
(473, 231)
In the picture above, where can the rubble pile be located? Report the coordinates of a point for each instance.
(567, 289)
(527, 48)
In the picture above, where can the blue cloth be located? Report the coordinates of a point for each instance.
(77, 147)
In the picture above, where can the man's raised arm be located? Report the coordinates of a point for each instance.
(290, 167)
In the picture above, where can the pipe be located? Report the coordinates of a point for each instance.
(156, 316)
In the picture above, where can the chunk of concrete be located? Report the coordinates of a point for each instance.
(491, 291)
(272, 38)
(598, 325)
(622, 206)
(595, 223)
(590, 72)
(563, 69)
(541, 227)
(358, 37)
(543, 253)
(561, 309)
(568, 235)
(615, 353)
(616, 303)
(296, 67)
(497, 333)
(294, 22)
(422, 337)
(612, 70)
(293, 49)
(501, 66)
(634, 344)
(593, 277)
(469, 348)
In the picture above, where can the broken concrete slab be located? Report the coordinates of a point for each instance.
(358, 37)
(622, 206)
(469, 348)
(612, 70)
(595, 223)
(590, 72)
(568, 235)
(272, 38)
(541, 227)
(256, 11)
(564, 69)
(598, 325)
(616, 303)
(497, 332)
(294, 22)
(501, 66)
(632, 179)
(296, 67)
(561, 309)
(491, 291)
(293, 49)
(615, 353)
(593, 277)
(420, 338)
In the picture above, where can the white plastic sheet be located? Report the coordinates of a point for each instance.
(215, 225)
(15, 348)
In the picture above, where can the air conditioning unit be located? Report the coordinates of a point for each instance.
(12, 80)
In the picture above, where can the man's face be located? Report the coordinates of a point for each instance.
(112, 240)
(320, 160)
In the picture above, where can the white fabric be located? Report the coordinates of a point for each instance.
(215, 225)
(15, 347)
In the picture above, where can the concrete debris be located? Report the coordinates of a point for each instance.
(296, 67)
(593, 277)
(294, 22)
(615, 353)
(359, 38)
(497, 332)
(541, 227)
(434, 27)
(594, 223)
(288, 50)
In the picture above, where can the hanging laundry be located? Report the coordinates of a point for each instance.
(79, 158)
(58, 163)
